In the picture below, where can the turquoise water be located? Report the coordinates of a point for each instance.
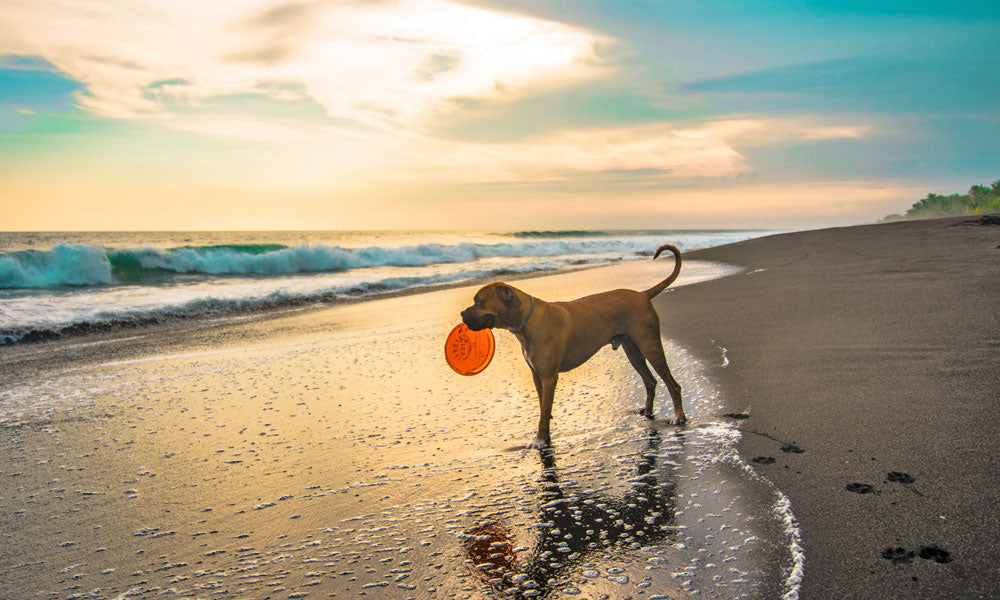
(53, 283)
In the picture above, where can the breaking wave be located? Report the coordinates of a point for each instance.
(78, 265)
(65, 264)
(105, 310)
(81, 286)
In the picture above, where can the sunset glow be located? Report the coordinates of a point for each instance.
(443, 114)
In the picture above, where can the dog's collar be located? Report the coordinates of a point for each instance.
(531, 309)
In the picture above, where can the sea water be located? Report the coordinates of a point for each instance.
(53, 283)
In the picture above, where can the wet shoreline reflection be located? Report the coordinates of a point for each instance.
(575, 526)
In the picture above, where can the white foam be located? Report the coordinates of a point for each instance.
(783, 509)
(724, 438)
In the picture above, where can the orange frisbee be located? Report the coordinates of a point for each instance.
(469, 352)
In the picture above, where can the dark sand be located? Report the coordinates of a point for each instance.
(868, 359)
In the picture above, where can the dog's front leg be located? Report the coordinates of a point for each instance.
(546, 388)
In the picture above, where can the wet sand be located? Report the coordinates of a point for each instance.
(868, 361)
(332, 453)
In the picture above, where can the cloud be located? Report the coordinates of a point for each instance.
(384, 64)
(438, 63)
(251, 130)
(808, 128)
(653, 153)
(662, 150)
(848, 132)
(701, 151)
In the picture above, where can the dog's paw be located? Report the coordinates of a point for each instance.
(678, 421)
(538, 444)
(642, 412)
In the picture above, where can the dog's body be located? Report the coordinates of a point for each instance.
(559, 336)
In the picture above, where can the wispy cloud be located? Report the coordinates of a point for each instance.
(662, 151)
(384, 64)
(846, 132)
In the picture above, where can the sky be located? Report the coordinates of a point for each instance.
(490, 115)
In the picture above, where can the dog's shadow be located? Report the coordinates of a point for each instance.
(574, 526)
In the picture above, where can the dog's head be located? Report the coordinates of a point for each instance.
(495, 305)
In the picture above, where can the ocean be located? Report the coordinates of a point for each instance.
(56, 283)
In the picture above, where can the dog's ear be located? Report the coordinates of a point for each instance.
(507, 295)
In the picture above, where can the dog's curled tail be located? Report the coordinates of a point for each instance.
(656, 289)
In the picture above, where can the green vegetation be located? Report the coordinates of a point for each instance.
(978, 201)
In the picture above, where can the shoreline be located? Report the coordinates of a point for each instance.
(176, 331)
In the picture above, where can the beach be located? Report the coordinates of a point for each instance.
(840, 385)
(868, 361)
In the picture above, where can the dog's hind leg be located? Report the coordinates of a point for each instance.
(652, 350)
(639, 364)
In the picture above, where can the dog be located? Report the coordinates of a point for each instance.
(559, 336)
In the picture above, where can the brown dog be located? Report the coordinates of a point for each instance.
(559, 336)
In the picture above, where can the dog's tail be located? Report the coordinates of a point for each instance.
(656, 289)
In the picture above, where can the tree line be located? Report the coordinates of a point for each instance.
(978, 200)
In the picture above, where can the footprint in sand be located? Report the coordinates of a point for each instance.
(899, 477)
(860, 488)
(898, 555)
(763, 460)
(938, 555)
(791, 447)
(737, 416)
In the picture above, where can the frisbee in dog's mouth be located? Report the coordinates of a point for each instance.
(468, 352)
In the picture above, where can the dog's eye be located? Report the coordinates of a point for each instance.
(477, 301)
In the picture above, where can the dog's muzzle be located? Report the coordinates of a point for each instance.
(477, 322)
